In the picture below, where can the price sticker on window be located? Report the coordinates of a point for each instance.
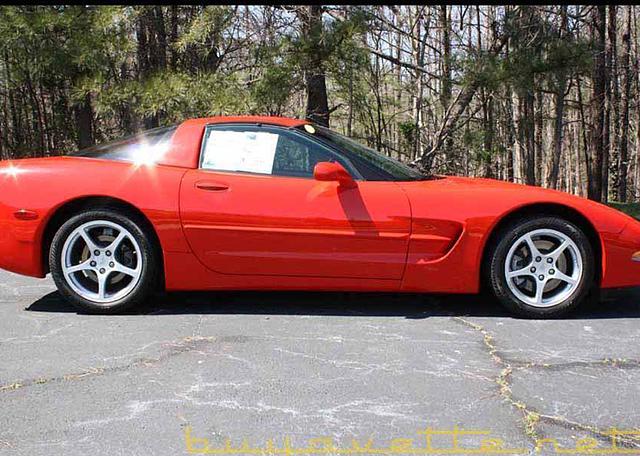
(247, 151)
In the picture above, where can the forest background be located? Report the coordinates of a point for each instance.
(541, 95)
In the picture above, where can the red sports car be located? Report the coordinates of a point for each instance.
(282, 204)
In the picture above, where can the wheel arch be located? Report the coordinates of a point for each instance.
(560, 210)
(77, 205)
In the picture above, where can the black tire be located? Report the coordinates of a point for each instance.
(148, 281)
(497, 256)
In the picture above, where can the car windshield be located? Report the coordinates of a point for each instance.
(370, 163)
(147, 146)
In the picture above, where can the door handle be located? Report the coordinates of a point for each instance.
(212, 186)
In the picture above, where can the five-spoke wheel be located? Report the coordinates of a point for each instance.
(541, 267)
(103, 260)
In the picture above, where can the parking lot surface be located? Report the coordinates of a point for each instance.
(261, 366)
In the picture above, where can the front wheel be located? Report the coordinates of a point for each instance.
(102, 261)
(543, 267)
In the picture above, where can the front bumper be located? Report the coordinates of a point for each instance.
(621, 258)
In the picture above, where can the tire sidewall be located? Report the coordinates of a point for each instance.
(498, 258)
(148, 255)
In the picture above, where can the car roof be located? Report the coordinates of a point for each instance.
(185, 150)
(271, 120)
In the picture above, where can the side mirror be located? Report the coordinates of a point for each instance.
(332, 171)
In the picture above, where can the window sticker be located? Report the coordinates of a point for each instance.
(248, 151)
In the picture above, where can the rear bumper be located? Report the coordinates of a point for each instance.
(20, 244)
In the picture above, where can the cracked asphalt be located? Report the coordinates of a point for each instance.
(306, 365)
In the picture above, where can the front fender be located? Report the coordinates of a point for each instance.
(479, 206)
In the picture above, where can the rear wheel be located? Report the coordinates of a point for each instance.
(102, 261)
(543, 267)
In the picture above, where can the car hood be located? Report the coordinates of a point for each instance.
(482, 183)
(493, 197)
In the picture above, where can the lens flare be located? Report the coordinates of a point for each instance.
(148, 155)
(11, 171)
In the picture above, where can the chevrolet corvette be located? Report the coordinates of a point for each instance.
(268, 203)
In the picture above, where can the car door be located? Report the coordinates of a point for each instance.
(254, 208)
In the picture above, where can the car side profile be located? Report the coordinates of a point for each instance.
(269, 203)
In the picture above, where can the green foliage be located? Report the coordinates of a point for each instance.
(176, 96)
(408, 130)
(81, 53)
(335, 44)
(537, 53)
(632, 209)
(208, 28)
(111, 70)
(65, 52)
(485, 69)
(271, 92)
(52, 45)
(205, 38)
(473, 139)
(347, 58)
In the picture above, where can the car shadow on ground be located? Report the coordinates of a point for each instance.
(613, 304)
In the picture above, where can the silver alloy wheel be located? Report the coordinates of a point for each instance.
(101, 261)
(543, 268)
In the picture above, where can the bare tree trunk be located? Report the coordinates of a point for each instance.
(418, 56)
(486, 100)
(552, 177)
(636, 75)
(398, 70)
(613, 107)
(511, 141)
(559, 99)
(527, 131)
(16, 119)
(161, 37)
(585, 141)
(597, 149)
(316, 84)
(626, 95)
(445, 93)
(526, 100)
(145, 54)
(538, 130)
(173, 36)
(84, 123)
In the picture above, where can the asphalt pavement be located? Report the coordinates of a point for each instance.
(247, 365)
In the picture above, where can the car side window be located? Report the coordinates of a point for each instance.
(262, 150)
(297, 157)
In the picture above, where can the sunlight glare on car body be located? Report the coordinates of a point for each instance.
(146, 154)
(12, 171)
